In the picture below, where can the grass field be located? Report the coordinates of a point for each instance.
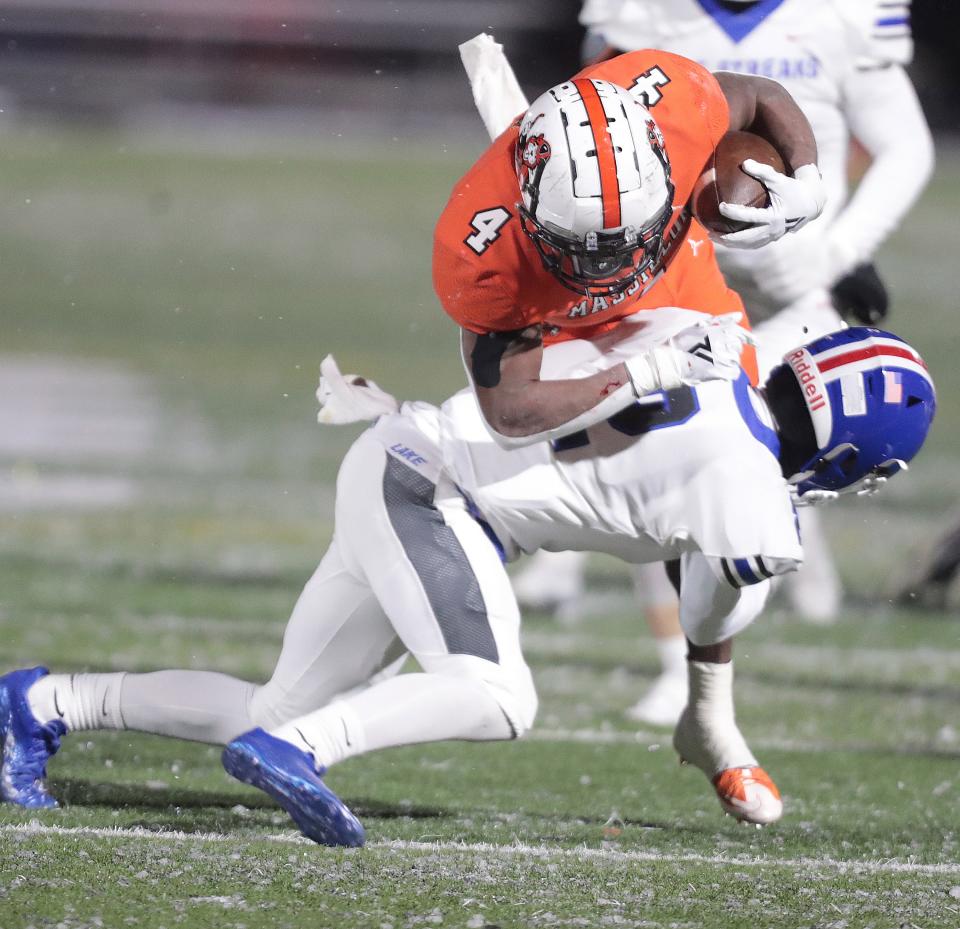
(164, 493)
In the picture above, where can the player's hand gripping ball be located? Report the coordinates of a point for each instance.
(724, 180)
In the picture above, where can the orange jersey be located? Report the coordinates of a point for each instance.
(490, 278)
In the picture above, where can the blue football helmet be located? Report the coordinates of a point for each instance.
(871, 401)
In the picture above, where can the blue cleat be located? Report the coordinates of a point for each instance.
(288, 775)
(27, 743)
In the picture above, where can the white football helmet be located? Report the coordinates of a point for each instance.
(595, 181)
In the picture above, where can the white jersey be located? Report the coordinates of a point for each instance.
(695, 471)
(692, 470)
(819, 50)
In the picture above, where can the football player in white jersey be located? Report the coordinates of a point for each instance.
(429, 507)
(843, 62)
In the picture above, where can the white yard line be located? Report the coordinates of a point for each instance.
(70, 428)
(654, 741)
(65, 409)
(560, 644)
(880, 866)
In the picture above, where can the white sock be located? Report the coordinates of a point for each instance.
(202, 706)
(707, 734)
(330, 734)
(405, 710)
(81, 701)
(672, 652)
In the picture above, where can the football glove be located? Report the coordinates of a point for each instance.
(861, 296)
(349, 398)
(496, 92)
(794, 201)
(707, 351)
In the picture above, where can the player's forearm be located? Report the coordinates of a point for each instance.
(766, 108)
(885, 116)
(535, 411)
(520, 408)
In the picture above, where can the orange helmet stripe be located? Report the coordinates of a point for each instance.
(606, 159)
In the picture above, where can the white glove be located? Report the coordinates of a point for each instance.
(709, 350)
(794, 201)
(349, 398)
(496, 92)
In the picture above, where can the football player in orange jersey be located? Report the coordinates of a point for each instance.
(577, 216)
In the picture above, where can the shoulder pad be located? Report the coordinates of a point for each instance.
(880, 31)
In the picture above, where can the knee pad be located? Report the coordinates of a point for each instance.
(512, 689)
(519, 705)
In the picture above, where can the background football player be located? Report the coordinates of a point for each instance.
(843, 62)
(429, 507)
(929, 587)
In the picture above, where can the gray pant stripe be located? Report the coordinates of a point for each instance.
(440, 562)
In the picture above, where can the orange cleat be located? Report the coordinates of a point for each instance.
(749, 794)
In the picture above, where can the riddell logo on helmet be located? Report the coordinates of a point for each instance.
(809, 377)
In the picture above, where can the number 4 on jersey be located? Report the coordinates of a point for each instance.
(486, 226)
(647, 86)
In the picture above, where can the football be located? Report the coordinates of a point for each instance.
(724, 180)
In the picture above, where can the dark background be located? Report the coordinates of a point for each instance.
(396, 60)
(936, 26)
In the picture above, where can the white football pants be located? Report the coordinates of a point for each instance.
(402, 575)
